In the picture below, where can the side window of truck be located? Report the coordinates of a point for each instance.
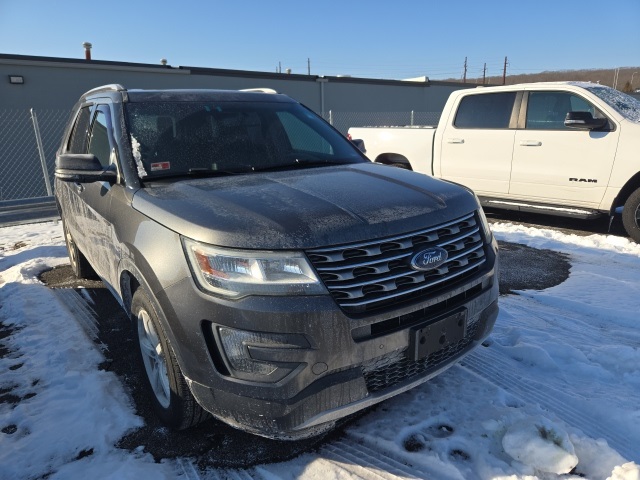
(547, 110)
(487, 110)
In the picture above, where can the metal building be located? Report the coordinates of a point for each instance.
(37, 93)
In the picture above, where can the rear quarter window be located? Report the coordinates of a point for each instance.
(488, 110)
(78, 140)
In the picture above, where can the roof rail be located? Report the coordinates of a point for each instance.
(114, 87)
(259, 90)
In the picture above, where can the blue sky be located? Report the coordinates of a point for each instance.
(360, 38)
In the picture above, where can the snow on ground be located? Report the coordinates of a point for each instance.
(554, 392)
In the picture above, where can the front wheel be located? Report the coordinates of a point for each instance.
(171, 397)
(631, 215)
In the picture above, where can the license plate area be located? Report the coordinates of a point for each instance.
(427, 339)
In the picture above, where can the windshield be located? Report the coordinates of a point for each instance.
(624, 104)
(198, 138)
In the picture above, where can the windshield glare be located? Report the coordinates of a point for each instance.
(177, 138)
(624, 104)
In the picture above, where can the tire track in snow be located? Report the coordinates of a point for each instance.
(567, 326)
(186, 469)
(77, 305)
(494, 369)
(368, 463)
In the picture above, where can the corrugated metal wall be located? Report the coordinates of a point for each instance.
(52, 85)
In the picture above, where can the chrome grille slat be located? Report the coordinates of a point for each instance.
(393, 239)
(380, 280)
(457, 239)
(369, 275)
(363, 264)
(404, 292)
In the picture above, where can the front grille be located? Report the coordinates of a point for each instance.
(367, 276)
(387, 372)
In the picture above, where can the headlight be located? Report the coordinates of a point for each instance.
(237, 273)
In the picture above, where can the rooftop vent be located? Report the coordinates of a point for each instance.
(87, 50)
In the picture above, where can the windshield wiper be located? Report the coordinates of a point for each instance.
(210, 172)
(197, 172)
(298, 163)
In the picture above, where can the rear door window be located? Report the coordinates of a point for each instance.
(487, 110)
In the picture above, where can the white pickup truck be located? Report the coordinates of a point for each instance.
(561, 148)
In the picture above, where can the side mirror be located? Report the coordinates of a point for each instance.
(584, 121)
(83, 168)
(360, 144)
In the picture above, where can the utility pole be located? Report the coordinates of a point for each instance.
(616, 73)
(464, 75)
(484, 73)
(308, 66)
(504, 72)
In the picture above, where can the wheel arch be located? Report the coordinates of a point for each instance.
(129, 283)
(393, 158)
(631, 186)
(131, 280)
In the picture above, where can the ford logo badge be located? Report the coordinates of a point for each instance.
(429, 259)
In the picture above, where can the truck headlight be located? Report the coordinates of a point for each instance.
(238, 273)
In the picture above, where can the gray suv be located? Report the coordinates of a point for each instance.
(276, 278)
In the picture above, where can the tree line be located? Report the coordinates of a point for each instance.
(626, 79)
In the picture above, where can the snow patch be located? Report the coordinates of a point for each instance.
(558, 380)
(137, 156)
(541, 445)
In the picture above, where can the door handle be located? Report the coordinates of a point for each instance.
(530, 143)
(455, 140)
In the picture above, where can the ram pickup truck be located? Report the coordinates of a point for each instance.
(561, 148)
(275, 277)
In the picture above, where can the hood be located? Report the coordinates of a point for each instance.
(306, 208)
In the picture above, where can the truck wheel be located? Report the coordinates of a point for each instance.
(631, 215)
(172, 400)
(78, 261)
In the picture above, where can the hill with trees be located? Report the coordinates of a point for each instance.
(626, 79)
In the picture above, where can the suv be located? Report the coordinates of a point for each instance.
(276, 278)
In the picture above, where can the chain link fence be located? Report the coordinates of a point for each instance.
(342, 121)
(29, 140)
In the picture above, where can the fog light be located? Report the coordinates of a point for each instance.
(237, 346)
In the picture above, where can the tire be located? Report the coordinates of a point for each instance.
(170, 395)
(78, 261)
(404, 166)
(631, 215)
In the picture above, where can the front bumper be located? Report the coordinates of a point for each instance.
(333, 366)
